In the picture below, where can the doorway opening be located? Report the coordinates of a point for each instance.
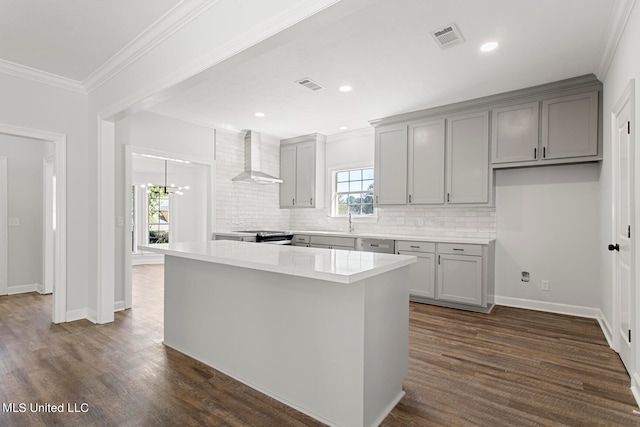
(58, 238)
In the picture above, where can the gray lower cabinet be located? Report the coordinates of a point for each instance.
(451, 275)
(422, 274)
(332, 242)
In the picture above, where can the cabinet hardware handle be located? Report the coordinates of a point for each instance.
(377, 200)
(311, 201)
(458, 249)
(293, 202)
(373, 245)
(448, 197)
(415, 247)
(535, 153)
(409, 198)
(438, 259)
(544, 152)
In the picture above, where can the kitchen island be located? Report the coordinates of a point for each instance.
(323, 331)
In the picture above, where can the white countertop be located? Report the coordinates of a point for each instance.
(333, 265)
(460, 240)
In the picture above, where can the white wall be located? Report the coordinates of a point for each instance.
(547, 224)
(357, 149)
(25, 202)
(47, 108)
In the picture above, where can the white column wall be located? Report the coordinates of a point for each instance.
(47, 108)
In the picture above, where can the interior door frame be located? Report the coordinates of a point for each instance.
(59, 312)
(4, 287)
(626, 98)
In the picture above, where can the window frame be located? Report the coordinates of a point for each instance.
(335, 193)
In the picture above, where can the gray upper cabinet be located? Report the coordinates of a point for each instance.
(288, 176)
(514, 133)
(570, 126)
(468, 158)
(302, 166)
(390, 167)
(426, 162)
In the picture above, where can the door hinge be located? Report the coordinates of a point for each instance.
(629, 335)
(629, 232)
(629, 128)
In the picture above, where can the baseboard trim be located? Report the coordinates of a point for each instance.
(606, 328)
(23, 289)
(551, 307)
(635, 383)
(92, 316)
(78, 314)
(118, 306)
(138, 259)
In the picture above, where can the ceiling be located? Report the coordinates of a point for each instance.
(384, 50)
(72, 38)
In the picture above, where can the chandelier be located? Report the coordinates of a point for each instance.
(166, 188)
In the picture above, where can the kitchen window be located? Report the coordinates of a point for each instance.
(353, 192)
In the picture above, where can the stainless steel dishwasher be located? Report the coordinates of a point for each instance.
(386, 246)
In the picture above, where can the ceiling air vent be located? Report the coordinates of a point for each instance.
(447, 36)
(310, 84)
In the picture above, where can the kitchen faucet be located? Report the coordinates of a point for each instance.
(350, 223)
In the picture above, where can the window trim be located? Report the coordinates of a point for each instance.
(333, 178)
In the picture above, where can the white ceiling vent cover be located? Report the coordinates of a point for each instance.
(447, 36)
(310, 84)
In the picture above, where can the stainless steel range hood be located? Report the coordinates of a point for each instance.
(252, 168)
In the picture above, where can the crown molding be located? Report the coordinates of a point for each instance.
(25, 72)
(617, 23)
(169, 23)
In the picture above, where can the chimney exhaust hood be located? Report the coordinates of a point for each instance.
(252, 168)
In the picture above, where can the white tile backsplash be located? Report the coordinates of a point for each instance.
(464, 222)
(245, 206)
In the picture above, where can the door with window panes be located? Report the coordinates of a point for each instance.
(354, 192)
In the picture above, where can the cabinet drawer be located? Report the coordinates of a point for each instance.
(333, 241)
(402, 245)
(300, 238)
(459, 249)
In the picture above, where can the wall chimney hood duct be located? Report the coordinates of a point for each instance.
(252, 168)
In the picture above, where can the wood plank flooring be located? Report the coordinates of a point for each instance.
(510, 368)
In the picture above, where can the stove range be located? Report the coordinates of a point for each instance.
(271, 236)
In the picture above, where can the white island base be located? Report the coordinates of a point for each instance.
(335, 351)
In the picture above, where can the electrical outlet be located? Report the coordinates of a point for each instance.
(545, 285)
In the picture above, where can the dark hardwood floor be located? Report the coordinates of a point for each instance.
(510, 368)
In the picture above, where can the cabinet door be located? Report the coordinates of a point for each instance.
(390, 170)
(288, 176)
(460, 279)
(468, 158)
(426, 163)
(514, 136)
(305, 174)
(421, 274)
(570, 126)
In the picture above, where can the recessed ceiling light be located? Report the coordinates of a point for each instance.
(345, 88)
(487, 47)
(259, 114)
(343, 128)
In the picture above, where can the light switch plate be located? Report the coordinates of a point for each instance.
(120, 221)
(14, 222)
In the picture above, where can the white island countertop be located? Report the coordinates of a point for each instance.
(332, 265)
